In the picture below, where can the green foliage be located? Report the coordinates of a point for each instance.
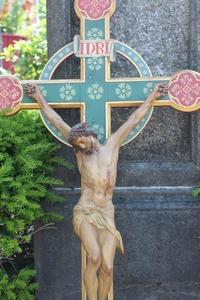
(196, 192)
(19, 287)
(27, 162)
(30, 56)
(14, 22)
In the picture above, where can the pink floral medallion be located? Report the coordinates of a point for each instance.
(94, 9)
(184, 88)
(10, 92)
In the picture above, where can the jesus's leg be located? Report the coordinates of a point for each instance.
(88, 237)
(108, 245)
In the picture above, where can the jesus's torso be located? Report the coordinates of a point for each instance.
(98, 177)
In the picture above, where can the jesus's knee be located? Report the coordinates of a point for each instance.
(94, 256)
(107, 268)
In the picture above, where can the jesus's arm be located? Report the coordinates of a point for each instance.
(33, 92)
(118, 137)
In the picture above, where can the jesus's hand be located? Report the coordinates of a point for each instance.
(159, 91)
(33, 91)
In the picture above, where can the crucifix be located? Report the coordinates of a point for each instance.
(96, 93)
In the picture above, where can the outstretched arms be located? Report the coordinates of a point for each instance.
(117, 138)
(33, 92)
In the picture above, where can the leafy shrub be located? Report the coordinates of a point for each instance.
(20, 287)
(27, 161)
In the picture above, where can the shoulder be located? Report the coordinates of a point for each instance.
(111, 146)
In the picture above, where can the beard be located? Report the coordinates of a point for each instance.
(87, 151)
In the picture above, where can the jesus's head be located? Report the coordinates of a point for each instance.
(83, 138)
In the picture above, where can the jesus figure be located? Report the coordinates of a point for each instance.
(93, 216)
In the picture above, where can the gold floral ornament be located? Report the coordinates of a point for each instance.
(94, 9)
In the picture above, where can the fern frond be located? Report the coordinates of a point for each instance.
(63, 162)
(53, 197)
(49, 181)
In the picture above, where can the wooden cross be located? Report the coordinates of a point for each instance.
(95, 93)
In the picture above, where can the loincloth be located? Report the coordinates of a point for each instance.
(99, 219)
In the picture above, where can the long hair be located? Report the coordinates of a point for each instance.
(79, 130)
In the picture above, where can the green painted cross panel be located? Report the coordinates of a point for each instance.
(94, 93)
(95, 98)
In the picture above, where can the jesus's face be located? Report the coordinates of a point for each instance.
(87, 144)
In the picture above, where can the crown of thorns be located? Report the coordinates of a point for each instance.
(81, 129)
